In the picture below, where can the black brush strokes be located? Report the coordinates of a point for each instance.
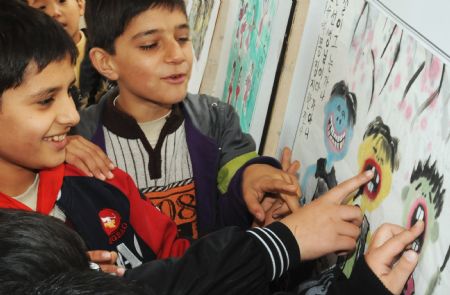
(359, 19)
(397, 53)
(413, 79)
(373, 79)
(389, 41)
(433, 96)
(445, 260)
(430, 99)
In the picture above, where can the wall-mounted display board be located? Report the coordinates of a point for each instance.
(370, 94)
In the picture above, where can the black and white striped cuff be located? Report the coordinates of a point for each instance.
(281, 246)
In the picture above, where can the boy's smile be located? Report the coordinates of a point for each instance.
(36, 116)
(152, 63)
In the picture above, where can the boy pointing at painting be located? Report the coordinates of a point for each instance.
(186, 153)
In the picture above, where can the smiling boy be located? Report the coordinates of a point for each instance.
(186, 153)
(37, 112)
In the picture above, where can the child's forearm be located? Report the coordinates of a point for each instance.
(230, 261)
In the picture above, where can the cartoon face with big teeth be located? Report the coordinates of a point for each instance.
(339, 120)
(423, 198)
(423, 201)
(340, 117)
(377, 152)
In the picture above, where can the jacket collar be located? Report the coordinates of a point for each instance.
(123, 125)
(50, 182)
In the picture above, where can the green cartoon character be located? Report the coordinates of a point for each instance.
(423, 199)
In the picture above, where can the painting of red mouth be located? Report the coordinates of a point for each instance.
(418, 211)
(372, 188)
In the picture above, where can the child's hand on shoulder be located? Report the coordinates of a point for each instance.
(88, 157)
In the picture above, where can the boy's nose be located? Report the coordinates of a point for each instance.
(54, 11)
(68, 114)
(174, 52)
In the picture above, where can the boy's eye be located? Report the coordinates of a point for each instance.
(42, 7)
(46, 101)
(149, 46)
(62, 1)
(183, 40)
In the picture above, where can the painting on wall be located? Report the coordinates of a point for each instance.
(248, 69)
(376, 98)
(202, 20)
(199, 19)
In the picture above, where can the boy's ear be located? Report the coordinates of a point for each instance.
(103, 63)
(81, 6)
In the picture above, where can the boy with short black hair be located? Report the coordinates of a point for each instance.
(37, 112)
(90, 83)
(186, 153)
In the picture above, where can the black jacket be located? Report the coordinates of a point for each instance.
(232, 261)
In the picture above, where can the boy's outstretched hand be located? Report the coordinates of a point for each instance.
(260, 179)
(325, 226)
(389, 241)
(88, 157)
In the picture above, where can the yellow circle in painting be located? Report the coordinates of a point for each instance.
(372, 155)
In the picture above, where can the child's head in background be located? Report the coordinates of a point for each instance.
(65, 12)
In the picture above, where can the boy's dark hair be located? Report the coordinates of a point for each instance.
(341, 89)
(390, 143)
(34, 246)
(83, 282)
(436, 181)
(39, 254)
(75, 283)
(28, 35)
(106, 20)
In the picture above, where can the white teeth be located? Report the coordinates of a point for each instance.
(370, 187)
(415, 246)
(55, 138)
(373, 169)
(420, 214)
(337, 140)
(377, 180)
